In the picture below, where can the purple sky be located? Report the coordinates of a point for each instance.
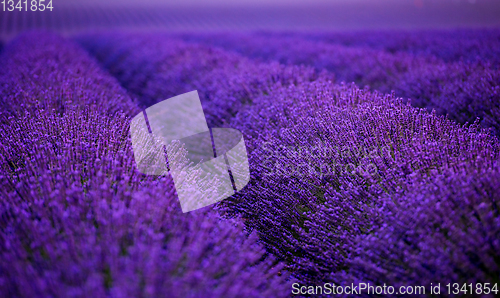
(342, 14)
(198, 15)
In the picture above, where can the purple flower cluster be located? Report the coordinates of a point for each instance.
(308, 216)
(445, 230)
(76, 217)
(311, 219)
(464, 88)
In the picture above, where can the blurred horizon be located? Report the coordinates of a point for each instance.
(72, 16)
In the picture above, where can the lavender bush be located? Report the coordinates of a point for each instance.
(371, 145)
(77, 219)
(463, 88)
(441, 231)
(310, 206)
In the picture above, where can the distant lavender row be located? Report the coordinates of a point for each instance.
(305, 216)
(77, 219)
(460, 89)
(468, 45)
(41, 70)
(362, 65)
(156, 67)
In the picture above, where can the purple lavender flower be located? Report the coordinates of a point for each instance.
(78, 219)
(443, 230)
(318, 184)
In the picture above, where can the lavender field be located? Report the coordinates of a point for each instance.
(374, 158)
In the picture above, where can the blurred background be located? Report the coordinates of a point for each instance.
(72, 16)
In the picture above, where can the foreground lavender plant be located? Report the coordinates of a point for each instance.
(319, 183)
(446, 230)
(78, 219)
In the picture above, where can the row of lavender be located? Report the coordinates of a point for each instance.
(77, 219)
(459, 77)
(335, 169)
(452, 45)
